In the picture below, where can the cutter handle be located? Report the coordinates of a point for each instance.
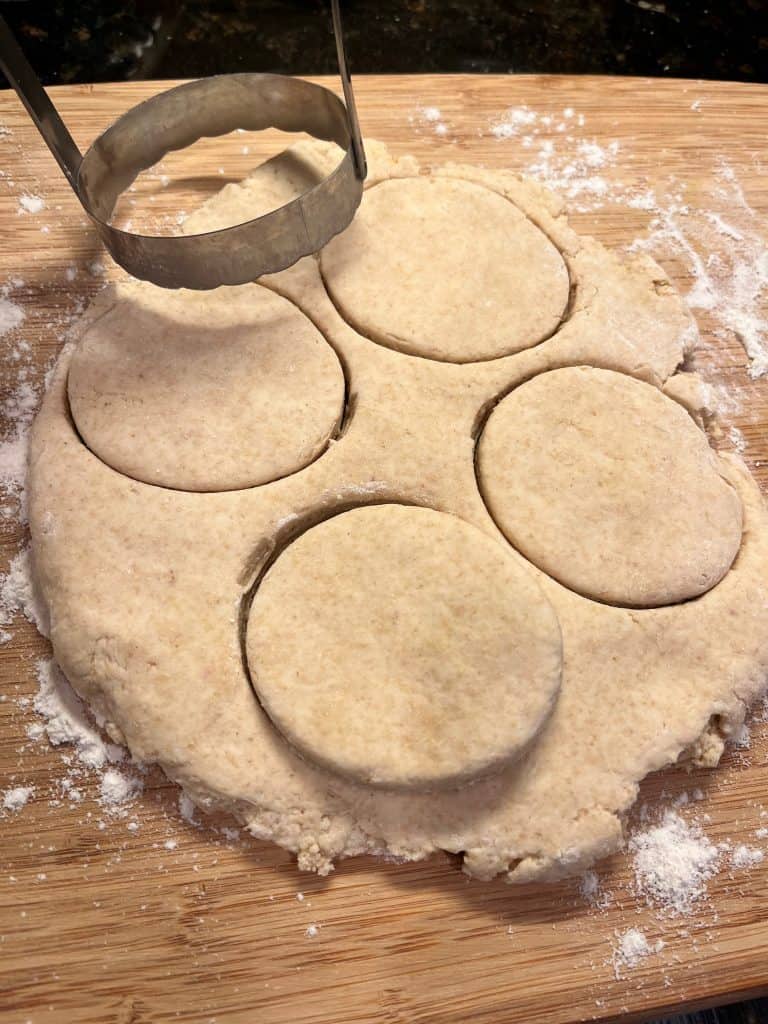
(19, 73)
(358, 152)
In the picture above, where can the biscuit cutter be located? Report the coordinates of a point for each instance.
(176, 118)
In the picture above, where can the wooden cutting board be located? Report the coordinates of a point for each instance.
(109, 926)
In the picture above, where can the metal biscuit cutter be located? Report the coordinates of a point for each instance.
(175, 119)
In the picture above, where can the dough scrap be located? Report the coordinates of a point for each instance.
(610, 487)
(146, 585)
(447, 269)
(403, 647)
(205, 391)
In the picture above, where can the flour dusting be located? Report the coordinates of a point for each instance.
(672, 862)
(11, 315)
(18, 797)
(19, 410)
(31, 204)
(18, 594)
(743, 856)
(118, 788)
(66, 720)
(429, 119)
(631, 947)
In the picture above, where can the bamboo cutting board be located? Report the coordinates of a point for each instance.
(111, 926)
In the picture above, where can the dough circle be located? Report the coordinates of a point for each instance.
(447, 269)
(610, 487)
(205, 391)
(403, 647)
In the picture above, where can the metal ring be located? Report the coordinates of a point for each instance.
(215, 106)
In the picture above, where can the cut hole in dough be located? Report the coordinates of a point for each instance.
(447, 269)
(610, 487)
(205, 391)
(403, 647)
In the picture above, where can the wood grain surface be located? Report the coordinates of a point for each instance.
(104, 925)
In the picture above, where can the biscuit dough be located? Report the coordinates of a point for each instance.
(403, 647)
(205, 391)
(443, 268)
(609, 486)
(148, 587)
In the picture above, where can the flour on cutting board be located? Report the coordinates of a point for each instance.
(631, 947)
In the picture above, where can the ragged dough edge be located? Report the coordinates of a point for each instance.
(695, 395)
(320, 838)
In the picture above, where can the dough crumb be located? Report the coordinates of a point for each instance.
(312, 931)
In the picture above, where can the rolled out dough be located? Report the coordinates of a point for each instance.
(148, 587)
(403, 647)
(609, 486)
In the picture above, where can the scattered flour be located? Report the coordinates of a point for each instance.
(18, 409)
(727, 260)
(746, 856)
(430, 118)
(67, 721)
(631, 947)
(31, 204)
(672, 862)
(11, 315)
(312, 931)
(15, 799)
(186, 808)
(117, 788)
(592, 892)
(18, 594)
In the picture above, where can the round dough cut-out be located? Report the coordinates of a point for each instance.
(447, 269)
(610, 487)
(403, 647)
(205, 391)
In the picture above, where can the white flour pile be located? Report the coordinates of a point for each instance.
(16, 798)
(631, 948)
(31, 204)
(672, 862)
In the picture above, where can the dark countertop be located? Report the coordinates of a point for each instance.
(118, 39)
(114, 40)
